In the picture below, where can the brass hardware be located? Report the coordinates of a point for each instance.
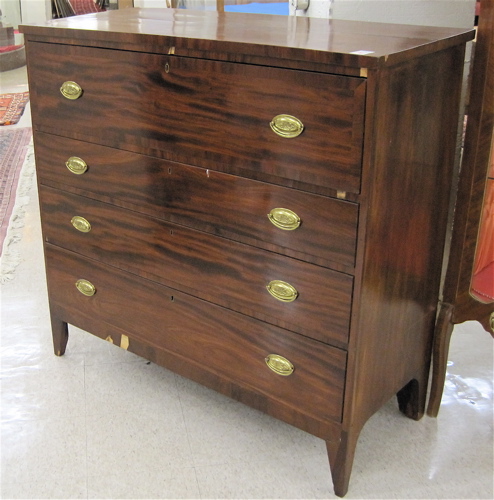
(279, 364)
(76, 165)
(286, 126)
(284, 219)
(85, 287)
(171, 50)
(81, 224)
(341, 195)
(167, 68)
(282, 291)
(491, 321)
(71, 90)
(363, 72)
(109, 339)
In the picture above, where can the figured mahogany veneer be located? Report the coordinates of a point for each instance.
(182, 168)
(202, 334)
(222, 271)
(184, 109)
(182, 194)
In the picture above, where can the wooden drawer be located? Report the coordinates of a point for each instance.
(184, 109)
(215, 202)
(216, 269)
(223, 342)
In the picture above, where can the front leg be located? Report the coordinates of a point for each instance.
(341, 453)
(60, 333)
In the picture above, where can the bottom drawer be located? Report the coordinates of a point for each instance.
(223, 342)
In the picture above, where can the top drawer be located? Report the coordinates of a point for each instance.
(207, 113)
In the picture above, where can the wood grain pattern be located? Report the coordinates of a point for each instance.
(220, 341)
(190, 114)
(241, 37)
(397, 286)
(404, 251)
(410, 184)
(225, 272)
(182, 194)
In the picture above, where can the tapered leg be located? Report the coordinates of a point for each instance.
(440, 349)
(60, 333)
(341, 454)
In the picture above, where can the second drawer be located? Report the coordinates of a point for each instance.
(296, 295)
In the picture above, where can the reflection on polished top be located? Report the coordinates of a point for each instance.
(349, 43)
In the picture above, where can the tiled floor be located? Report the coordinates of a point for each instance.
(100, 422)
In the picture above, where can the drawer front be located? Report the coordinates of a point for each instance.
(207, 113)
(227, 205)
(225, 343)
(217, 269)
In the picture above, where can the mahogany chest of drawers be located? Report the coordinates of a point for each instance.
(258, 203)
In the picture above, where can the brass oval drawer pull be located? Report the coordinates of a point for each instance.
(85, 287)
(282, 291)
(286, 126)
(491, 321)
(284, 219)
(71, 90)
(279, 364)
(76, 165)
(81, 224)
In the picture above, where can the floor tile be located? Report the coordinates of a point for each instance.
(167, 482)
(53, 387)
(227, 433)
(38, 450)
(130, 387)
(257, 478)
(134, 443)
(51, 488)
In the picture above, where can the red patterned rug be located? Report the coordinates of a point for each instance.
(13, 149)
(12, 106)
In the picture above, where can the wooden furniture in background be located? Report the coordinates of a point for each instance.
(257, 203)
(460, 303)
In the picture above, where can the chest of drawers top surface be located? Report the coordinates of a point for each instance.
(228, 36)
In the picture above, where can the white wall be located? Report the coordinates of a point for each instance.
(35, 11)
(10, 12)
(452, 13)
(17, 12)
